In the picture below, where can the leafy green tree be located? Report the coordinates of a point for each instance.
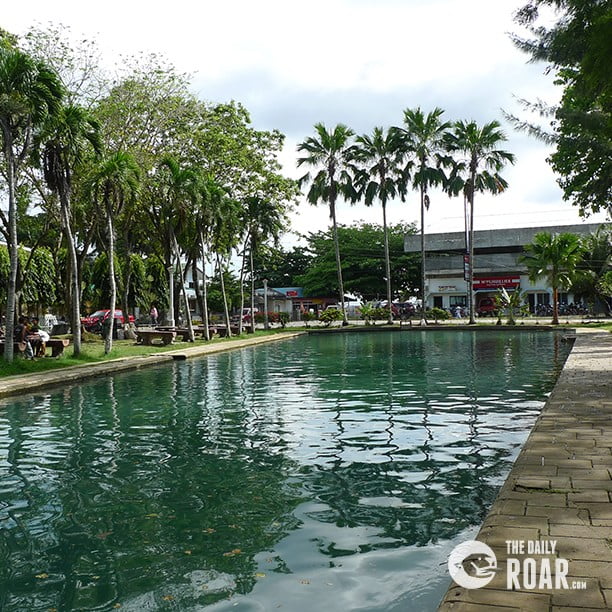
(263, 221)
(179, 195)
(29, 93)
(595, 264)
(329, 152)
(363, 262)
(477, 165)
(554, 256)
(115, 181)
(577, 47)
(424, 138)
(281, 266)
(39, 287)
(66, 138)
(380, 175)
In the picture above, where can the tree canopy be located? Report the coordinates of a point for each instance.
(578, 48)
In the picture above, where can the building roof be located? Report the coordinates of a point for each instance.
(510, 238)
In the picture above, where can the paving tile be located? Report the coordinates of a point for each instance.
(562, 479)
(592, 598)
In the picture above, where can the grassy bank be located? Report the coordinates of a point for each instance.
(92, 351)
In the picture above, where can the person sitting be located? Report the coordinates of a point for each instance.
(20, 335)
(41, 337)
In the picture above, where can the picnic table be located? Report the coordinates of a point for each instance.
(146, 336)
(57, 345)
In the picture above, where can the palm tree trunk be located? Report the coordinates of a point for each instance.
(423, 296)
(332, 210)
(387, 263)
(183, 289)
(204, 290)
(74, 280)
(108, 341)
(252, 321)
(242, 269)
(555, 320)
(471, 262)
(12, 246)
(223, 293)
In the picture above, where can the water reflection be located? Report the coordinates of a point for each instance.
(307, 472)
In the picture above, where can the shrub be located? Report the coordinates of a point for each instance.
(308, 316)
(332, 314)
(437, 314)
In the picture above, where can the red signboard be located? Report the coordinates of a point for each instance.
(495, 282)
(291, 293)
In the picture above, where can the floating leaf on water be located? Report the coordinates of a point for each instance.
(152, 515)
(209, 530)
(187, 552)
(117, 605)
(260, 575)
(42, 576)
(103, 535)
(304, 581)
(167, 598)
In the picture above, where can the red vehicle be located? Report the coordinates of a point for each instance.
(94, 322)
(486, 307)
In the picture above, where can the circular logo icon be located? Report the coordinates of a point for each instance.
(478, 559)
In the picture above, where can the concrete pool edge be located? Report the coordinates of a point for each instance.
(559, 488)
(29, 383)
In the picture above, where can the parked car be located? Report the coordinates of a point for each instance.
(486, 307)
(94, 322)
(246, 314)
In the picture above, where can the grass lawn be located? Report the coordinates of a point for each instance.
(92, 351)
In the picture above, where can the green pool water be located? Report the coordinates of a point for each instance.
(329, 472)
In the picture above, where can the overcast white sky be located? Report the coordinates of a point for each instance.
(359, 62)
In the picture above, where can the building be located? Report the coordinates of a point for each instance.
(496, 264)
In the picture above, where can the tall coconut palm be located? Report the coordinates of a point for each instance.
(114, 182)
(29, 92)
(181, 194)
(477, 162)
(554, 256)
(226, 228)
(264, 221)
(67, 137)
(380, 175)
(210, 203)
(329, 152)
(423, 137)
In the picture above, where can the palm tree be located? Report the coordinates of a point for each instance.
(65, 140)
(554, 256)
(329, 152)
(424, 137)
(264, 220)
(182, 191)
(476, 166)
(29, 92)
(380, 175)
(210, 203)
(114, 183)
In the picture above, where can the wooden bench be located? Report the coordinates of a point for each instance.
(146, 337)
(57, 345)
(18, 347)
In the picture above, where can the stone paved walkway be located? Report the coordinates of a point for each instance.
(560, 488)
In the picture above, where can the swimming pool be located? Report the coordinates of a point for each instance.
(333, 471)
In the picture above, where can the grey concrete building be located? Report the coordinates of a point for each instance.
(496, 264)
